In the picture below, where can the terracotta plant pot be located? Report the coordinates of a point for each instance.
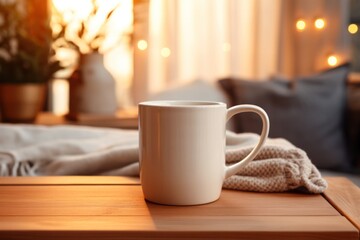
(20, 103)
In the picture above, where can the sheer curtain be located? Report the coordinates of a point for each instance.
(183, 40)
(203, 39)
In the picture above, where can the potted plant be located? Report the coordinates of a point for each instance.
(92, 87)
(27, 61)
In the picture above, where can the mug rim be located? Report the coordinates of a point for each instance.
(182, 104)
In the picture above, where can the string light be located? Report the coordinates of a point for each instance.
(353, 28)
(332, 60)
(165, 52)
(300, 25)
(319, 23)
(142, 45)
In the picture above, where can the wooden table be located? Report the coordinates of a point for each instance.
(114, 208)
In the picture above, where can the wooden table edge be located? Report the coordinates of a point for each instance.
(165, 227)
(70, 180)
(344, 196)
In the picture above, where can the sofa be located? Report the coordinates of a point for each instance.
(317, 113)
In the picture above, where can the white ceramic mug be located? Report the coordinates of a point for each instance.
(182, 149)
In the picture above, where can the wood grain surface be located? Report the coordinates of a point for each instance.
(345, 197)
(175, 227)
(114, 208)
(128, 200)
(70, 180)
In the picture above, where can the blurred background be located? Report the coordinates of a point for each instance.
(152, 45)
(90, 62)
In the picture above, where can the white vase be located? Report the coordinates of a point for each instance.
(95, 89)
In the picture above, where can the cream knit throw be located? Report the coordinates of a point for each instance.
(278, 167)
(74, 150)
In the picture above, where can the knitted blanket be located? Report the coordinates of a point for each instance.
(278, 167)
(27, 150)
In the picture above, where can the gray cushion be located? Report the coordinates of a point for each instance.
(309, 113)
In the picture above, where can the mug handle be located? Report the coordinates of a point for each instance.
(233, 169)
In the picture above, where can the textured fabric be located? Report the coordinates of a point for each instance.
(278, 167)
(65, 150)
(309, 114)
(72, 150)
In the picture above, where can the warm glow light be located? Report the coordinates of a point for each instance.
(60, 93)
(81, 8)
(319, 23)
(73, 12)
(226, 47)
(353, 28)
(332, 60)
(300, 25)
(142, 45)
(118, 57)
(165, 52)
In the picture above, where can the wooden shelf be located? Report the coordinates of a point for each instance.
(126, 119)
